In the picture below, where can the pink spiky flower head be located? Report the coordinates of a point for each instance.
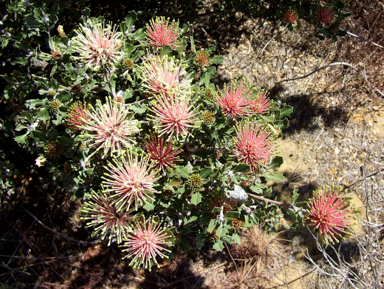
(253, 145)
(76, 116)
(165, 75)
(260, 103)
(329, 213)
(290, 16)
(146, 243)
(109, 127)
(172, 117)
(234, 101)
(162, 153)
(130, 182)
(98, 44)
(324, 15)
(105, 219)
(162, 32)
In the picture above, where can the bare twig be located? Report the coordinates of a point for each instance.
(60, 234)
(362, 38)
(335, 64)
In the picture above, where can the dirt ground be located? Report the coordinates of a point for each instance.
(335, 137)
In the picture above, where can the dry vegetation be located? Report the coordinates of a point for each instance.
(335, 137)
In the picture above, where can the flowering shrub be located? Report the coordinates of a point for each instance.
(129, 120)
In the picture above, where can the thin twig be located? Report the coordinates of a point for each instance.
(298, 278)
(60, 234)
(268, 200)
(230, 255)
(334, 64)
(362, 38)
(363, 179)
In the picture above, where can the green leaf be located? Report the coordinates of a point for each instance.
(32, 22)
(39, 135)
(242, 168)
(139, 108)
(44, 114)
(276, 162)
(294, 197)
(183, 172)
(184, 245)
(287, 110)
(200, 240)
(218, 246)
(21, 139)
(193, 48)
(211, 226)
(149, 207)
(217, 59)
(221, 231)
(128, 21)
(196, 198)
(274, 177)
(211, 47)
(236, 238)
(190, 220)
(207, 76)
(205, 172)
(65, 140)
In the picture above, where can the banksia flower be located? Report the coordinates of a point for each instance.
(129, 182)
(162, 32)
(202, 57)
(233, 102)
(98, 44)
(329, 213)
(208, 117)
(146, 243)
(324, 15)
(162, 153)
(56, 55)
(195, 182)
(253, 145)
(209, 94)
(53, 150)
(104, 218)
(128, 64)
(172, 116)
(165, 75)
(76, 89)
(76, 116)
(290, 17)
(54, 105)
(109, 127)
(260, 104)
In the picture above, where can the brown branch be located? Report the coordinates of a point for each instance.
(60, 234)
(268, 200)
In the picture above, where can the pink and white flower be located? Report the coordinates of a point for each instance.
(105, 219)
(146, 243)
(324, 15)
(164, 75)
(162, 153)
(98, 44)
(329, 214)
(162, 32)
(234, 101)
(130, 182)
(109, 127)
(253, 145)
(172, 117)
